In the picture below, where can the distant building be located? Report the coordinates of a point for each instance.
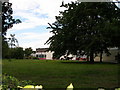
(111, 58)
(43, 53)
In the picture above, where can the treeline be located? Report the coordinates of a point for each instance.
(10, 46)
(16, 53)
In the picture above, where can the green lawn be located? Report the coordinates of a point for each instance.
(59, 74)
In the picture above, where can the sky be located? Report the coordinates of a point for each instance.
(35, 16)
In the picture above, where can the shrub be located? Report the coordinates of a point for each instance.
(12, 82)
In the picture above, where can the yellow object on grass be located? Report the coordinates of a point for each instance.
(31, 86)
(117, 89)
(28, 86)
(70, 87)
(39, 87)
(19, 87)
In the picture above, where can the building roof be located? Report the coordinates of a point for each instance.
(41, 49)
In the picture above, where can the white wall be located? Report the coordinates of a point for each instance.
(111, 58)
(49, 54)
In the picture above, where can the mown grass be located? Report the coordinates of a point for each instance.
(59, 74)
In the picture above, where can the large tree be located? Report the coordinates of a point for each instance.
(89, 27)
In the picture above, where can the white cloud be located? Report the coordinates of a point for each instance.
(34, 40)
(32, 23)
(31, 10)
(34, 13)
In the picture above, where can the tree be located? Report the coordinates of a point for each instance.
(28, 52)
(7, 22)
(17, 53)
(14, 47)
(5, 49)
(13, 41)
(85, 27)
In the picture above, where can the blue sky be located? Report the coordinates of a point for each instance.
(35, 16)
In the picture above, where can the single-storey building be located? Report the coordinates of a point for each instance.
(111, 58)
(43, 53)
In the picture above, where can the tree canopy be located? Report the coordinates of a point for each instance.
(90, 27)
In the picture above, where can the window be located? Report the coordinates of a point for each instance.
(41, 56)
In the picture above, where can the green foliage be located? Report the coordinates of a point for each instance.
(34, 57)
(89, 27)
(12, 82)
(17, 53)
(9, 81)
(28, 52)
(8, 51)
(5, 49)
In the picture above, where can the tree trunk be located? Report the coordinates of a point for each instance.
(101, 56)
(91, 57)
(87, 58)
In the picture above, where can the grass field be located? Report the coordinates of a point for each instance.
(59, 74)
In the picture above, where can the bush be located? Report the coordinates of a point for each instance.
(34, 57)
(12, 82)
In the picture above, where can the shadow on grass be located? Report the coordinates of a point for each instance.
(81, 88)
(85, 62)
